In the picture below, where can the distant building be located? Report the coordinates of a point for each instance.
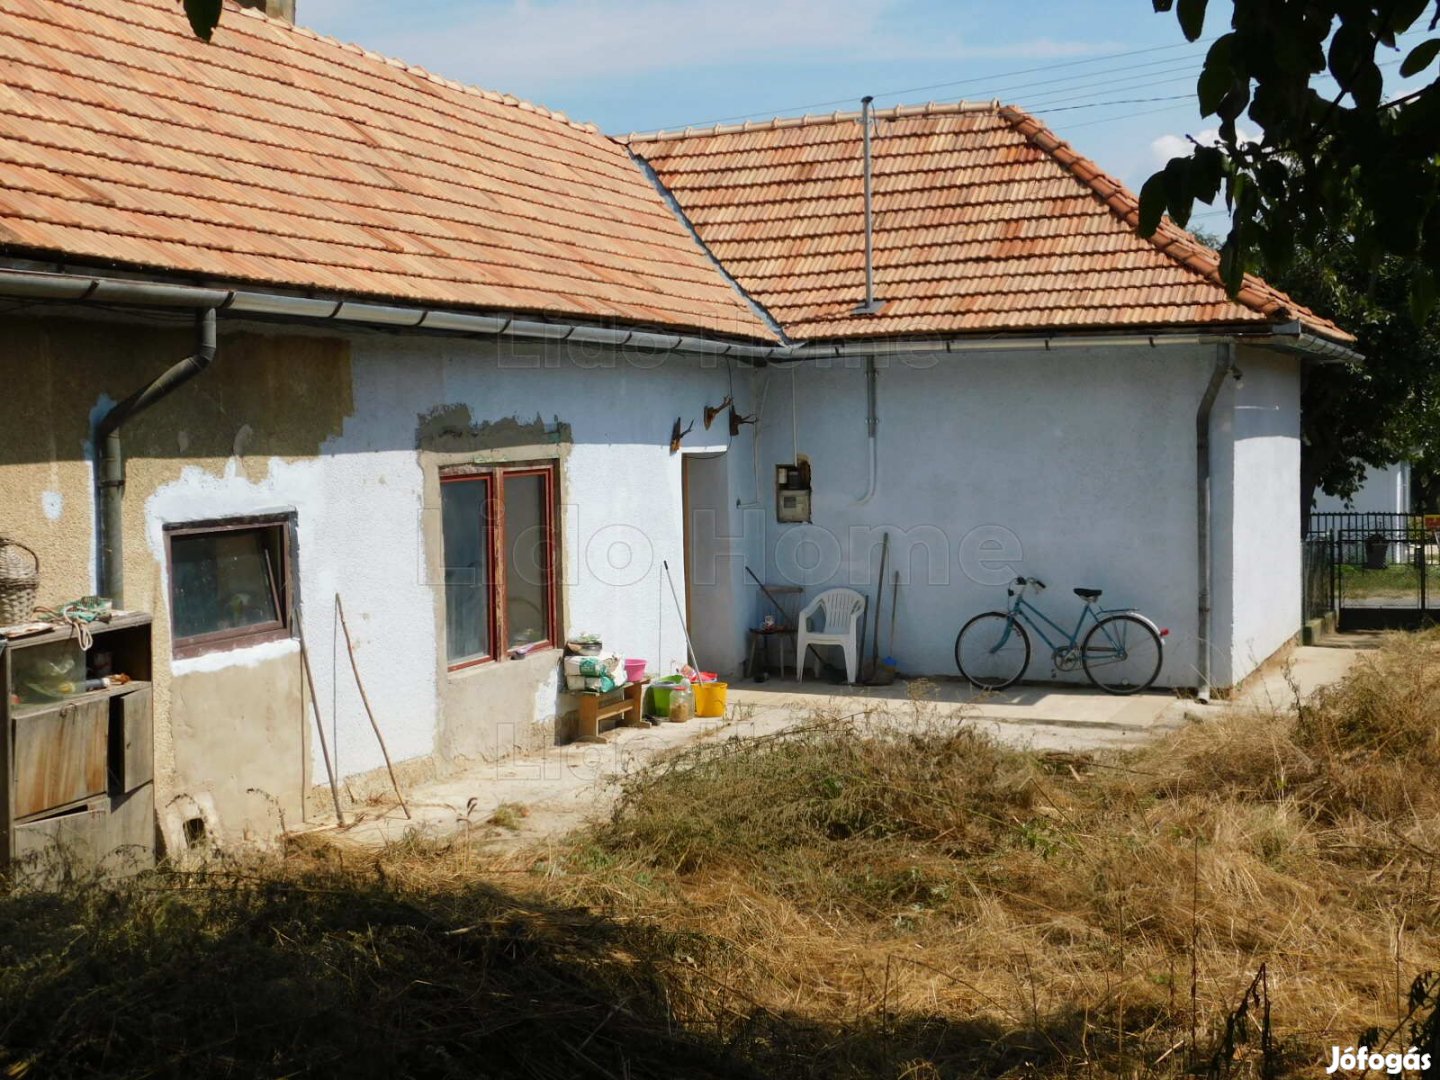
(1385, 490)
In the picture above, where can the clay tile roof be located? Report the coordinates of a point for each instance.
(985, 222)
(280, 157)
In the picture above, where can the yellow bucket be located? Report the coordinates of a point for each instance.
(710, 699)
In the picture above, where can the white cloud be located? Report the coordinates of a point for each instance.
(1172, 146)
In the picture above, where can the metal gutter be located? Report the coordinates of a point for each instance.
(89, 288)
(42, 285)
(1271, 338)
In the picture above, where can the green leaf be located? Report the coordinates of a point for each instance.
(1232, 263)
(1152, 204)
(1421, 57)
(1178, 190)
(1192, 18)
(1217, 77)
(204, 16)
(1405, 12)
(1349, 49)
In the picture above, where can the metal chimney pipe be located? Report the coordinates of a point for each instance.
(871, 305)
(865, 103)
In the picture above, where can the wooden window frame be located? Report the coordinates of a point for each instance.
(494, 476)
(484, 477)
(282, 586)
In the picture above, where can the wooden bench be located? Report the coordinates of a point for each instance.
(622, 704)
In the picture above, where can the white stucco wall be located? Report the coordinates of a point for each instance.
(1075, 466)
(1385, 490)
(1257, 532)
(360, 516)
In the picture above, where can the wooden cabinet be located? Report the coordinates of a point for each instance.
(77, 756)
(61, 756)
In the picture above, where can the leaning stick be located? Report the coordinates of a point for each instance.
(350, 648)
(310, 681)
(320, 727)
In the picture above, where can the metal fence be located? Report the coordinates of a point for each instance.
(1409, 537)
(1383, 569)
(1354, 520)
(1317, 564)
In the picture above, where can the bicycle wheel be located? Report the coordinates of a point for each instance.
(992, 650)
(1122, 654)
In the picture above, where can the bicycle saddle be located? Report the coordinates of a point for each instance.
(1088, 594)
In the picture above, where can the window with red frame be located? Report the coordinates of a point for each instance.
(499, 551)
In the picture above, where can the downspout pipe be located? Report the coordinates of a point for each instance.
(110, 454)
(1224, 363)
(872, 425)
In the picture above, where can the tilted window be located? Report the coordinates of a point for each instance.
(230, 583)
(499, 560)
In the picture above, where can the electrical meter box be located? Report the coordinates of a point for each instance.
(792, 493)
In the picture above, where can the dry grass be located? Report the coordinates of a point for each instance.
(861, 897)
(867, 875)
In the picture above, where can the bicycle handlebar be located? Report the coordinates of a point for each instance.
(1022, 582)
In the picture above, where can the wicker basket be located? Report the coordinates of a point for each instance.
(19, 580)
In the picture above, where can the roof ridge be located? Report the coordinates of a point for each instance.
(778, 123)
(1169, 239)
(234, 8)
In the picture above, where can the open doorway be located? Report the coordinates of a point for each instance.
(711, 565)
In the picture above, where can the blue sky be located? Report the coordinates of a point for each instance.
(1111, 76)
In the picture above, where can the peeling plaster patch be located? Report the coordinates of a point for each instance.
(452, 428)
(53, 504)
(251, 656)
(182, 441)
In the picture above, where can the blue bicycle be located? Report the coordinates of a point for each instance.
(1121, 653)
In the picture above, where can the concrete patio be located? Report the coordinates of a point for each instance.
(551, 792)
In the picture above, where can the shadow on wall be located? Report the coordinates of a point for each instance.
(283, 394)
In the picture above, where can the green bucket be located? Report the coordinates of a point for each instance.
(660, 694)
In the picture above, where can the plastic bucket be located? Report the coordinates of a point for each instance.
(635, 670)
(660, 694)
(710, 699)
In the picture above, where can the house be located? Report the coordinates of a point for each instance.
(1385, 490)
(1032, 390)
(288, 324)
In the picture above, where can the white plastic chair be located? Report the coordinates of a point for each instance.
(843, 609)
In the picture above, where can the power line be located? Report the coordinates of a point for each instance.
(1068, 85)
(1086, 83)
(1126, 116)
(1039, 101)
(987, 80)
(1118, 101)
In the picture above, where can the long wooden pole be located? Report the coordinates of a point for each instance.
(365, 698)
(320, 727)
(310, 682)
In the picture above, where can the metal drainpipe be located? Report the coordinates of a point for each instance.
(872, 424)
(1224, 361)
(110, 456)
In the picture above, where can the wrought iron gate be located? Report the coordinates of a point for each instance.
(1385, 568)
